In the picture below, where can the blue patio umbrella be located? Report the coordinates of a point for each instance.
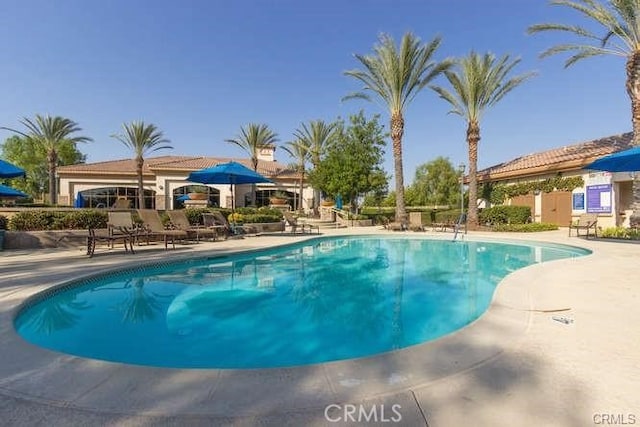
(79, 203)
(184, 198)
(622, 161)
(339, 202)
(9, 192)
(231, 173)
(8, 170)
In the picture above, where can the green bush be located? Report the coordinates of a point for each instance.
(195, 215)
(621, 233)
(260, 218)
(526, 228)
(3, 222)
(57, 220)
(505, 215)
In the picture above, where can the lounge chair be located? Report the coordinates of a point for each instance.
(180, 221)
(393, 225)
(295, 225)
(122, 204)
(121, 223)
(229, 229)
(585, 222)
(153, 223)
(212, 222)
(415, 221)
(456, 226)
(104, 236)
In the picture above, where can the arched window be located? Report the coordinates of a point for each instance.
(181, 194)
(106, 197)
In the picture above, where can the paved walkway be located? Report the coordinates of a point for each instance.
(513, 366)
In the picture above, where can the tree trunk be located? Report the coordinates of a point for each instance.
(301, 185)
(254, 162)
(52, 160)
(633, 90)
(397, 130)
(139, 165)
(473, 137)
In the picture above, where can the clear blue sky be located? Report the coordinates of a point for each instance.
(201, 69)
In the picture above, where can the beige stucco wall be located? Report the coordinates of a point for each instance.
(163, 184)
(620, 195)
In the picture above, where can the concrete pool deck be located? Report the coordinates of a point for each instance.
(515, 365)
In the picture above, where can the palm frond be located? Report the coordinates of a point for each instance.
(142, 138)
(252, 138)
(620, 23)
(397, 74)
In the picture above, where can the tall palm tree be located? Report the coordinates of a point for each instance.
(396, 76)
(49, 132)
(252, 139)
(478, 82)
(620, 22)
(315, 136)
(300, 151)
(142, 139)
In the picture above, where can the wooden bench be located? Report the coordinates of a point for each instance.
(585, 222)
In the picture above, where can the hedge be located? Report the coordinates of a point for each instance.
(505, 215)
(34, 220)
(3, 222)
(621, 233)
(526, 228)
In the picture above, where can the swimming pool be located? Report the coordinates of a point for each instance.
(316, 301)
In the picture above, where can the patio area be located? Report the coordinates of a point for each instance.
(515, 365)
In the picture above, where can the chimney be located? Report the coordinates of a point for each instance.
(267, 153)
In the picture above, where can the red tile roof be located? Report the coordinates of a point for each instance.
(570, 157)
(153, 165)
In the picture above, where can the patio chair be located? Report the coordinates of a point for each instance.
(211, 222)
(104, 236)
(153, 223)
(230, 229)
(456, 226)
(585, 222)
(121, 203)
(393, 225)
(415, 221)
(180, 221)
(295, 225)
(120, 223)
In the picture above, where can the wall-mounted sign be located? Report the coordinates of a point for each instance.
(578, 201)
(599, 198)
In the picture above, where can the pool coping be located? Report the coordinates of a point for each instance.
(37, 374)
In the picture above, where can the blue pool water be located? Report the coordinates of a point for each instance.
(323, 300)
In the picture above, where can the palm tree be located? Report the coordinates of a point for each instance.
(252, 139)
(396, 77)
(620, 20)
(300, 151)
(142, 139)
(50, 132)
(315, 136)
(478, 82)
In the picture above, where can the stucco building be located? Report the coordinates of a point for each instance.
(101, 184)
(605, 193)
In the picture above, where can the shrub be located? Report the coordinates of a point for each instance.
(194, 215)
(505, 215)
(526, 228)
(3, 222)
(621, 233)
(235, 217)
(261, 218)
(33, 220)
